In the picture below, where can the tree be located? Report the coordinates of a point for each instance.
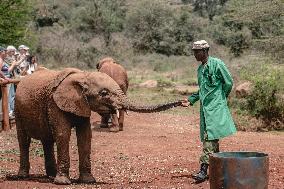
(14, 17)
(156, 27)
(101, 17)
(211, 7)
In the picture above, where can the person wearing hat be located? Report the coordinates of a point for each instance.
(12, 64)
(3, 54)
(24, 53)
(215, 84)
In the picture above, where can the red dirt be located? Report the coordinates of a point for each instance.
(154, 151)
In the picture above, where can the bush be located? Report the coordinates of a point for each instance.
(102, 17)
(265, 101)
(239, 26)
(154, 26)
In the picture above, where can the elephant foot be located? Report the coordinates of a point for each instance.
(103, 125)
(114, 129)
(61, 179)
(51, 172)
(23, 174)
(120, 127)
(86, 178)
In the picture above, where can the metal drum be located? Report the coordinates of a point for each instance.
(239, 170)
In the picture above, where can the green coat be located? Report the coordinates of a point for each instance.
(215, 84)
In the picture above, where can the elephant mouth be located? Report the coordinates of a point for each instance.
(109, 108)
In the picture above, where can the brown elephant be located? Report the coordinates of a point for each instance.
(49, 103)
(118, 74)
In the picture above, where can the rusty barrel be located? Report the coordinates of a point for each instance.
(239, 170)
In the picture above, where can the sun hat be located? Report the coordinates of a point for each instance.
(202, 44)
(2, 49)
(11, 48)
(23, 47)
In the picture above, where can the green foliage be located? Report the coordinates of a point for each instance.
(247, 22)
(89, 56)
(156, 27)
(100, 17)
(14, 19)
(266, 99)
(209, 8)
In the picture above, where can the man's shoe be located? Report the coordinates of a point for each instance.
(201, 176)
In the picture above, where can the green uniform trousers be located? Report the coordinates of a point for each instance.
(209, 147)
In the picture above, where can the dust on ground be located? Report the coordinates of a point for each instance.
(154, 151)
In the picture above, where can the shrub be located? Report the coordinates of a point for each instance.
(154, 26)
(265, 101)
(100, 17)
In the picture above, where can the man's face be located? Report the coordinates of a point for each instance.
(23, 51)
(11, 53)
(199, 54)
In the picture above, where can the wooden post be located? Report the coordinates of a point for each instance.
(5, 108)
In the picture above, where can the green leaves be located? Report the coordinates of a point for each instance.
(157, 27)
(14, 18)
(100, 17)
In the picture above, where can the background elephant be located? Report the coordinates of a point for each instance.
(118, 74)
(49, 103)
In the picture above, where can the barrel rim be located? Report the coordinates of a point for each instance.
(260, 154)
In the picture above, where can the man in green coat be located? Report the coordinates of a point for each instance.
(215, 84)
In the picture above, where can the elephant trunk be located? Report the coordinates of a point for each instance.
(153, 108)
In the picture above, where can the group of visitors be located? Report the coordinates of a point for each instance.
(15, 63)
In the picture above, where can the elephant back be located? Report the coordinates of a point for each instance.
(117, 73)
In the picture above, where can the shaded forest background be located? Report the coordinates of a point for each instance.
(153, 39)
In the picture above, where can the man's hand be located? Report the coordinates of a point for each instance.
(185, 103)
(4, 81)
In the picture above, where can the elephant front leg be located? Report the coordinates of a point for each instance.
(63, 160)
(24, 145)
(114, 123)
(84, 135)
(50, 162)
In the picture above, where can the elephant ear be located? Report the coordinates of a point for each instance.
(69, 95)
(61, 76)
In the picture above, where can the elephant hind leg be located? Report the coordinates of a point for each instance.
(114, 126)
(24, 145)
(121, 119)
(50, 162)
(104, 120)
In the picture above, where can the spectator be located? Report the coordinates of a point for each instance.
(2, 57)
(24, 52)
(13, 71)
(4, 68)
(31, 65)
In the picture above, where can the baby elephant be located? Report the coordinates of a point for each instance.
(49, 103)
(119, 75)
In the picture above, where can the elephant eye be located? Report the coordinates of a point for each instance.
(104, 92)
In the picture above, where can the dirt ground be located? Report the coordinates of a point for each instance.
(154, 151)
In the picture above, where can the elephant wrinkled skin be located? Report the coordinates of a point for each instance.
(119, 75)
(49, 103)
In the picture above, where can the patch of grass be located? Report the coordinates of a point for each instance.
(38, 151)
(7, 159)
(10, 151)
